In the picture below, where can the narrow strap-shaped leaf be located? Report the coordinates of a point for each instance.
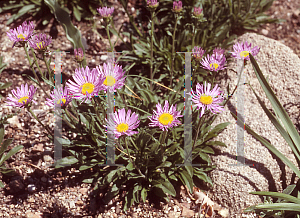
(276, 123)
(11, 153)
(279, 195)
(270, 147)
(288, 124)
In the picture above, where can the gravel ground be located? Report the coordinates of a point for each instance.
(39, 191)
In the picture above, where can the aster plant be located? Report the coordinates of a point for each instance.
(60, 97)
(242, 50)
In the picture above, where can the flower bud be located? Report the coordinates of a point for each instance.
(78, 54)
(198, 12)
(152, 4)
(177, 6)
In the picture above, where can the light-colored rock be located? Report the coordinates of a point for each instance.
(232, 184)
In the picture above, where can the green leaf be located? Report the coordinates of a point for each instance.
(66, 161)
(277, 206)
(128, 200)
(85, 167)
(1, 184)
(88, 180)
(279, 195)
(186, 180)
(5, 85)
(77, 13)
(31, 78)
(216, 143)
(144, 194)
(62, 16)
(10, 153)
(1, 135)
(5, 144)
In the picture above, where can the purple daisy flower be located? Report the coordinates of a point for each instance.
(218, 51)
(122, 124)
(21, 97)
(177, 6)
(63, 97)
(22, 33)
(105, 11)
(113, 76)
(242, 50)
(165, 118)
(198, 52)
(215, 62)
(78, 54)
(204, 98)
(40, 42)
(87, 83)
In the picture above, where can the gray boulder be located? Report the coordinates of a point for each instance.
(265, 172)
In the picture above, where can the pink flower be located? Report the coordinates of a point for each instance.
(122, 124)
(87, 83)
(152, 4)
(165, 118)
(204, 98)
(198, 12)
(21, 97)
(22, 33)
(62, 98)
(198, 52)
(40, 42)
(105, 11)
(113, 75)
(215, 62)
(78, 54)
(241, 51)
(177, 6)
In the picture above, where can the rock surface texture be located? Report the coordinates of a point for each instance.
(266, 172)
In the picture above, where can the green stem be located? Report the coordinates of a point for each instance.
(48, 68)
(173, 48)
(36, 77)
(151, 48)
(197, 133)
(30, 111)
(108, 35)
(139, 171)
(113, 25)
(123, 99)
(36, 62)
(162, 142)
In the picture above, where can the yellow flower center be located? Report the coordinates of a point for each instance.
(122, 127)
(23, 99)
(165, 118)
(109, 81)
(40, 45)
(87, 87)
(244, 54)
(20, 36)
(215, 65)
(63, 100)
(204, 99)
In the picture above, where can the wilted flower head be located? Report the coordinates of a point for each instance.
(87, 84)
(152, 4)
(78, 54)
(241, 50)
(40, 42)
(22, 33)
(204, 98)
(215, 62)
(21, 97)
(177, 6)
(105, 11)
(113, 75)
(165, 118)
(198, 12)
(122, 124)
(198, 52)
(62, 97)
